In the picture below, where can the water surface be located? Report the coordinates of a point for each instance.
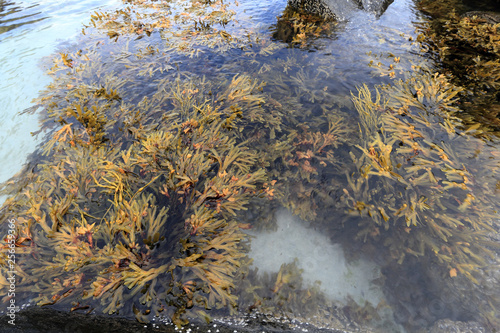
(321, 75)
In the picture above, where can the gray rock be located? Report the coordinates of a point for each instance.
(340, 9)
(468, 300)
(46, 320)
(449, 326)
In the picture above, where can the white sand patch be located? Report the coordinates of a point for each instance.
(320, 259)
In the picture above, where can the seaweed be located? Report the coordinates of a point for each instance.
(466, 45)
(300, 29)
(422, 187)
(149, 173)
(136, 214)
(283, 295)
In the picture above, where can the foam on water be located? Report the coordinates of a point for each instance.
(320, 259)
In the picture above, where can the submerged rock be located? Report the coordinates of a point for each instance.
(450, 326)
(340, 9)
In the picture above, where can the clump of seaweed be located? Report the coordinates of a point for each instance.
(301, 152)
(131, 208)
(467, 46)
(421, 186)
(191, 27)
(299, 28)
(280, 293)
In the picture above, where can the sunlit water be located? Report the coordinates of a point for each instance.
(32, 31)
(29, 31)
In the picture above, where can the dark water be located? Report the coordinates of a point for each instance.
(491, 5)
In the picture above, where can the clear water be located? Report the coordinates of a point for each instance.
(30, 31)
(321, 260)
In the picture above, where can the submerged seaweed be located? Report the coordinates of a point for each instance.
(136, 203)
(423, 187)
(132, 208)
(467, 46)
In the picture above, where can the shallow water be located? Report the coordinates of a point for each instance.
(321, 260)
(30, 31)
(337, 64)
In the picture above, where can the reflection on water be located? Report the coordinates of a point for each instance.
(159, 148)
(487, 5)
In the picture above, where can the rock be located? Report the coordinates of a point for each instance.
(449, 326)
(46, 320)
(377, 7)
(340, 9)
(37, 320)
(488, 17)
(469, 301)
